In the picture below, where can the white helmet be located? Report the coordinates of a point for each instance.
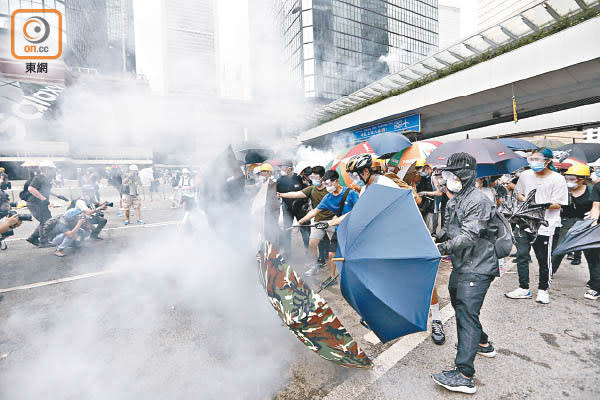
(47, 164)
(133, 167)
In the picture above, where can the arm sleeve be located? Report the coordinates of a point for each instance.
(472, 226)
(353, 198)
(307, 191)
(324, 204)
(520, 188)
(560, 193)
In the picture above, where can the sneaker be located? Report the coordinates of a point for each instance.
(570, 256)
(488, 351)
(576, 261)
(519, 293)
(591, 294)
(59, 253)
(140, 222)
(34, 242)
(543, 297)
(328, 282)
(126, 222)
(455, 381)
(437, 332)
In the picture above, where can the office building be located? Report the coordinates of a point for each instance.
(189, 51)
(337, 47)
(449, 25)
(492, 12)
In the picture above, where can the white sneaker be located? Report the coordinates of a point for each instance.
(592, 295)
(519, 293)
(543, 297)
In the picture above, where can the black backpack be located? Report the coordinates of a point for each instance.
(503, 238)
(24, 194)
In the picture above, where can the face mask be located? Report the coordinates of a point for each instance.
(316, 182)
(330, 189)
(454, 186)
(423, 174)
(537, 166)
(572, 185)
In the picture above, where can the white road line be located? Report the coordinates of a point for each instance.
(56, 281)
(133, 226)
(353, 387)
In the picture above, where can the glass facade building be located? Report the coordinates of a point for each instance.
(336, 47)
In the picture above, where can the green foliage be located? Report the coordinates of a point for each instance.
(558, 26)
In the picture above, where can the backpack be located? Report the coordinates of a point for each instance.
(24, 194)
(503, 238)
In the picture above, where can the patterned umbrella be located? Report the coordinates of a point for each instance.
(361, 148)
(418, 151)
(306, 313)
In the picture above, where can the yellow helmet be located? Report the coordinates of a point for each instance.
(420, 162)
(578, 170)
(266, 167)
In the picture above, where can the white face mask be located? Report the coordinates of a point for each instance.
(572, 184)
(330, 189)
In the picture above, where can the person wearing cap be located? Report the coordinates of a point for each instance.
(551, 189)
(131, 195)
(38, 202)
(581, 201)
(474, 267)
(290, 182)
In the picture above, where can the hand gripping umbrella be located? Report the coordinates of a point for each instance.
(582, 236)
(306, 313)
(389, 262)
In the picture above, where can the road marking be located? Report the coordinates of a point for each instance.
(132, 226)
(353, 388)
(56, 281)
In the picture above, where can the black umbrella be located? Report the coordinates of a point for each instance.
(254, 156)
(581, 236)
(527, 215)
(582, 152)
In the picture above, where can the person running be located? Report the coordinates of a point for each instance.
(581, 201)
(551, 189)
(339, 201)
(474, 267)
(359, 168)
(315, 193)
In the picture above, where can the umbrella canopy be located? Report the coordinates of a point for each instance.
(582, 236)
(518, 144)
(253, 156)
(493, 158)
(307, 314)
(389, 143)
(418, 151)
(390, 262)
(549, 143)
(361, 148)
(528, 214)
(578, 152)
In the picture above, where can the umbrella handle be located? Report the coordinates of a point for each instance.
(338, 259)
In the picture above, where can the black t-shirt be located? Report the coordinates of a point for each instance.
(42, 184)
(595, 195)
(578, 206)
(427, 203)
(286, 184)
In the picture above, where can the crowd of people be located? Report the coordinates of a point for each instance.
(460, 210)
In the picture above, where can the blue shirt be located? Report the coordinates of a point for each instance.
(332, 203)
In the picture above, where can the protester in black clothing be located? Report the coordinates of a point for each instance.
(291, 182)
(425, 186)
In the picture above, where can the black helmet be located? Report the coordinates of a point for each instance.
(459, 161)
(359, 162)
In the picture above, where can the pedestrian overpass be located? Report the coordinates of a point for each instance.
(555, 82)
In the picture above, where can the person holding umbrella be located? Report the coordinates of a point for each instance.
(551, 189)
(474, 267)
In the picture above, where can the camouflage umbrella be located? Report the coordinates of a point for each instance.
(306, 313)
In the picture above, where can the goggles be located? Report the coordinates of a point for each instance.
(531, 159)
(449, 176)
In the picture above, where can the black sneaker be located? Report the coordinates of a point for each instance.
(455, 381)
(437, 332)
(488, 352)
(570, 256)
(328, 282)
(34, 242)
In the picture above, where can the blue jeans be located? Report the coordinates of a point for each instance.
(62, 241)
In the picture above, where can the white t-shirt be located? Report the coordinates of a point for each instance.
(549, 189)
(380, 180)
(81, 205)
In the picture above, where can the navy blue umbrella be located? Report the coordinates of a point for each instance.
(518, 144)
(582, 236)
(385, 145)
(389, 262)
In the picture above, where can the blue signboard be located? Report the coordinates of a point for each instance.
(411, 123)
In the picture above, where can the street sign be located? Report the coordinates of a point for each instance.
(411, 123)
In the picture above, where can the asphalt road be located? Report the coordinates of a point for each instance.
(154, 313)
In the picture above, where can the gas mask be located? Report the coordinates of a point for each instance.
(453, 183)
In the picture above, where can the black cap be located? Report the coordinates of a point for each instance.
(461, 161)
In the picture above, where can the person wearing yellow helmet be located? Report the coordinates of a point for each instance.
(581, 201)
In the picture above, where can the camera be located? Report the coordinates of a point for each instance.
(22, 217)
(111, 204)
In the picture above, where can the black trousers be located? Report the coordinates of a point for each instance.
(467, 292)
(42, 214)
(323, 249)
(99, 223)
(542, 247)
(286, 236)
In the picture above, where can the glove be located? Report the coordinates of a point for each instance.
(442, 248)
(322, 225)
(63, 198)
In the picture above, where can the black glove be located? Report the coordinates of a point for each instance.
(63, 198)
(322, 225)
(442, 248)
